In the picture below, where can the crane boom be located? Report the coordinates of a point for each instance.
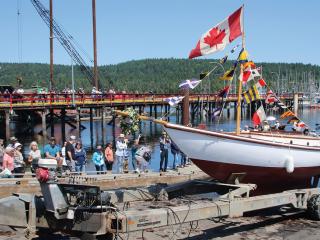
(65, 40)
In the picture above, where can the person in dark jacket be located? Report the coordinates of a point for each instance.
(175, 151)
(164, 146)
(80, 157)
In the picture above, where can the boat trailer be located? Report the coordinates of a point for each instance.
(86, 209)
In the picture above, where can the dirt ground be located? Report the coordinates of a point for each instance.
(275, 224)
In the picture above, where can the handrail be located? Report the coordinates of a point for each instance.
(50, 99)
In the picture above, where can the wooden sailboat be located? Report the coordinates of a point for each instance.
(275, 162)
(272, 165)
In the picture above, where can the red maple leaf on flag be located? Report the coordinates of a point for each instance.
(215, 37)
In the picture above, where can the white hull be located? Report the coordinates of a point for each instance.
(266, 163)
(238, 150)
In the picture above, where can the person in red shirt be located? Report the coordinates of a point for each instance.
(108, 153)
(8, 159)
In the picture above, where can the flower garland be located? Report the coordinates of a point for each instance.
(130, 124)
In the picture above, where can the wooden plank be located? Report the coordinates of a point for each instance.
(106, 181)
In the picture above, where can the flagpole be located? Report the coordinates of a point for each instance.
(240, 82)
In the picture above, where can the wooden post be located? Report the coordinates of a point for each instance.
(44, 126)
(114, 131)
(185, 108)
(296, 103)
(63, 124)
(103, 129)
(95, 64)
(51, 123)
(91, 128)
(78, 119)
(155, 112)
(7, 117)
(150, 110)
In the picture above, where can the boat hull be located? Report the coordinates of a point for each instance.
(264, 163)
(268, 180)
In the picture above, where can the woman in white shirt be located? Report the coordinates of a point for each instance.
(34, 155)
(121, 152)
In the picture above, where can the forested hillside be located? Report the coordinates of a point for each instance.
(158, 75)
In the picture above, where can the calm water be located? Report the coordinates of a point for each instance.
(151, 132)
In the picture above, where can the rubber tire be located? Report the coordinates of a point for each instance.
(313, 207)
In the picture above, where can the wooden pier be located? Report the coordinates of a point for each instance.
(69, 108)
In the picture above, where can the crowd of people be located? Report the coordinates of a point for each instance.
(167, 144)
(73, 157)
(39, 94)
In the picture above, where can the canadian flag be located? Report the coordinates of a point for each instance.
(259, 116)
(270, 98)
(217, 38)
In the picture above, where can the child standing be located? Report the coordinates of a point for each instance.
(98, 160)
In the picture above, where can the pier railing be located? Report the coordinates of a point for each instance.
(61, 99)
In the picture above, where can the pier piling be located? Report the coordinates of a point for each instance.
(7, 121)
(44, 126)
(103, 129)
(78, 119)
(295, 103)
(51, 123)
(63, 124)
(91, 128)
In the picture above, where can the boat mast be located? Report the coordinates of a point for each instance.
(51, 47)
(240, 81)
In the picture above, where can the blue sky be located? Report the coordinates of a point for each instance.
(276, 31)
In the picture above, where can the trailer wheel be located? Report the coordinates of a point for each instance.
(313, 207)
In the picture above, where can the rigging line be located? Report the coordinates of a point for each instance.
(278, 99)
(168, 113)
(224, 103)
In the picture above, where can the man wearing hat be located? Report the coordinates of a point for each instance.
(52, 151)
(70, 153)
(121, 152)
(19, 165)
(164, 146)
(12, 141)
